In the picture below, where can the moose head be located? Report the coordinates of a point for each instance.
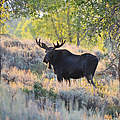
(49, 50)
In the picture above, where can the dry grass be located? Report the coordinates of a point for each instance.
(18, 60)
(110, 90)
(14, 107)
(19, 78)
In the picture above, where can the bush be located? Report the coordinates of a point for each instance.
(39, 91)
(38, 68)
(113, 110)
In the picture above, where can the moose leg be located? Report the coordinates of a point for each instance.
(89, 77)
(93, 82)
(59, 78)
(69, 82)
(67, 79)
(90, 80)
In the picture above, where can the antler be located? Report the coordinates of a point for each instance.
(58, 45)
(42, 45)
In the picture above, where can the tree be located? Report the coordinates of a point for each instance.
(4, 16)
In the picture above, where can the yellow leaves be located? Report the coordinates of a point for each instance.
(3, 29)
(26, 31)
(4, 12)
(107, 5)
(3, 16)
(100, 42)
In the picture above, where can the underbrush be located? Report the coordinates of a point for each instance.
(15, 106)
(31, 91)
(39, 91)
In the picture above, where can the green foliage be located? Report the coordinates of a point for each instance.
(113, 110)
(26, 90)
(39, 91)
(23, 29)
(79, 21)
(3, 29)
(38, 68)
(17, 32)
(3, 12)
(4, 16)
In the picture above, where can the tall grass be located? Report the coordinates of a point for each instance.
(13, 106)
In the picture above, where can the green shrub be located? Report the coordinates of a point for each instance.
(38, 68)
(113, 110)
(39, 91)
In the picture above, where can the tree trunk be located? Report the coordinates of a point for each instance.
(78, 40)
(0, 61)
(68, 23)
(55, 28)
(78, 28)
(119, 72)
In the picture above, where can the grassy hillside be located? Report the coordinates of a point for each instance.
(29, 90)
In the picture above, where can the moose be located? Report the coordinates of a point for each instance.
(67, 65)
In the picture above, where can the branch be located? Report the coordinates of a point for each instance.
(110, 65)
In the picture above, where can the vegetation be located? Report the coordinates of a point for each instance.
(29, 83)
(28, 90)
(39, 91)
(4, 15)
(16, 106)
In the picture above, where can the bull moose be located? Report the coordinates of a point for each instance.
(68, 65)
